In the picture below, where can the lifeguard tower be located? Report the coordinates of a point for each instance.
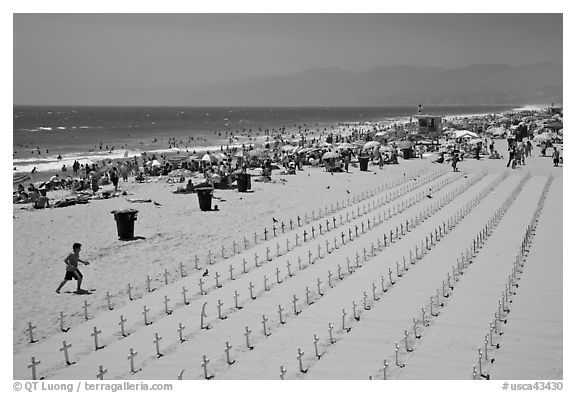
(429, 126)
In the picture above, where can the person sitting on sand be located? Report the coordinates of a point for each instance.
(72, 271)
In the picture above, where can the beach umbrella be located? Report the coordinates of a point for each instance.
(345, 145)
(256, 153)
(209, 158)
(371, 144)
(322, 144)
(155, 163)
(242, 154)
(545, 136)
(330, 154)
(405, 144)
(180, 172)
(288, 148)
(221, 156)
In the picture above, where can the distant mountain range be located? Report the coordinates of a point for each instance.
(386, 86)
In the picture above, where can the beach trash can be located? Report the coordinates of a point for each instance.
(363, 163)
(248, 182)
(406, 154)
(242, 182)
(205, 198)
(125, 222)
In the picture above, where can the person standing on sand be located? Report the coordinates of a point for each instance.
(454, 161)
(114, 178)
(556, 156)
(511, 154)
(72, 272)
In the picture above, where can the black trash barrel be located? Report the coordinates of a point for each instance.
(363, 163)
(242, 182)
(125, 223)
(205, 198)
(248, 182)
(406, 154)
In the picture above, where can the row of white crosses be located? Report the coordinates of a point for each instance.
(258, 262)
(96, 332)
(146, 322)
(432, 307)
(297, 223)
(367, 304)
(184, 290)
(509, 291)
(297, 311)
(210, 259)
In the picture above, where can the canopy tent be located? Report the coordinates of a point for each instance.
(464, 134)
(330, 154)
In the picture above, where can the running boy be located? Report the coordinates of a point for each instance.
(72, 271)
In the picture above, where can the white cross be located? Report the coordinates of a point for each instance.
(157, 339)
(247, 334)
(180, 329)
(294, 300)
(166, 309)
(184, 290)
(278, 275)
(85, 307)
(182, 273)
(264, 319)
(299, 357)
(236, 299)
(166, 276)
(62, 315)
(227, 350)
(108, 301)
(330, 328)
(130, 292)
(231, 270)
(288, 268)
(316, 339)
(95, 334)
(101, 372)
(251, 286)
(65, 350)
(217, 283)
(33, 365)
(280, 309)
(282, 372)
(121, 323)
(220, 310)
(145, 312)
(200, 283)
(196, 262)
(131, 358)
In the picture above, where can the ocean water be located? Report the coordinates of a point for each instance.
(89, 134)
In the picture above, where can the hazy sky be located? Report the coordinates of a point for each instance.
(88, 58)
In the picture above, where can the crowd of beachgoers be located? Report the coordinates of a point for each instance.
(335, 150)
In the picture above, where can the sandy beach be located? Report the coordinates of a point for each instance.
(173, 231)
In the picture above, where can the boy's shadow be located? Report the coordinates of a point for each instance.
(133, 239)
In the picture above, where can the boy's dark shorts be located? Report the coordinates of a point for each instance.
(76, 275)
